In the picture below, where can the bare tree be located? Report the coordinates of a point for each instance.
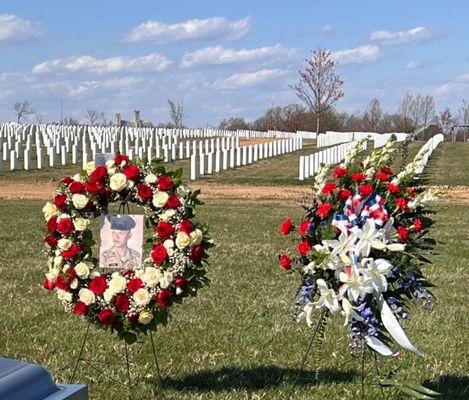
(319, 87)
(176, 112)
(373, 114)
(427, 110)
(404, 112)
(92, 116)
(23, 108)
(464, 113)
(446, 122)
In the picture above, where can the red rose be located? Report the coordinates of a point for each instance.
(92, 188)
(131, 172)
(61, 282)
(49, 285)
(181, 283)
(119, 159)
(286, 227)
(98, 285)
(106, 317)
(144, 192)
(164, 298)
(339, 172)
(51, 241)
(164, 230)
(60, 201)
(67, 180)
(365, 190)
(52, 224)
(344, 194)
(72, 252)
(304, 247)
(76, 187)
(403, 233)
(393, 188)
(285, 262)
(186, 226)
(197, 253)
(158, 254)
(303, 229)
(387, 170)
(402, 204)
(80, 308)
(65, 226)
(173, 202)
(134, 284)
(418, 224)
(328, 188)
(122, 303)
(165, 183)
(99, 174)
(381, 176)
(133, 319)
(323, 210)
(358, 177)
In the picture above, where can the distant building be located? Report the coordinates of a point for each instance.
(137, 122)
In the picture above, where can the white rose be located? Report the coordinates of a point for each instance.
(160, 199)
(118, 181)
(49, 210)
(58, 261)
(151, 178)
(76, 178)
(196, 237)
(82, 270)
(182, 190)
(168, 244)
(151, 277)
(64, 244)
(118, 283)
(89, 168)
(65, 268)
(62, 295)
(80, 223)
(166, 280)
(130, 184)
(168, 214)
(79, 201)
(110, 163)
(108, 295)
(145, 317)
(86, 296)
(182, 240)
(51, 275)
(94, 274)
(141, 297)
(111, 171)
(74, 284)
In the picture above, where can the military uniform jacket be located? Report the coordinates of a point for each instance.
(112, 259)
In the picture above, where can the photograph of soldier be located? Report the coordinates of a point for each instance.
(121, 241)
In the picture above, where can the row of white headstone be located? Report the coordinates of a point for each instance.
(309, 165)
(331, 138)
(427, 150)
(213, 162)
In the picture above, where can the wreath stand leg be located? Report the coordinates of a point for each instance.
(82, 348)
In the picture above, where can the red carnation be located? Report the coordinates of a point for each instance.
(381, 176)
(393, 188)
(131, 172)
(173, 202)
(51, 241)
(411, 191)
(365, 190)
(304, 247)
(286, 227)
(98, 285)
(323, 210)
(418, 224)
(303, 229)
(122, 303)
(358, 177)
(52, 224)
(72, 252)
(65, 226)
(49, 285)
(403, 233)
(92, 188)
(197, 253)
(186, 226)
(344, 194)
(181, 283)
(119, 159)
(328, 188)
(80, 308)
(285, 262)
(165, 183)
(339, 172)
(60, 201)
(106, 317)
(164, 230)
(402, 204)
(67, 180)
(144, 192)
(158, 254)
(76, 187)
(134, 284)
(387, 170)
(99, 174)
(164, 298)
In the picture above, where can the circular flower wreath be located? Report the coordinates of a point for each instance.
(135, 300)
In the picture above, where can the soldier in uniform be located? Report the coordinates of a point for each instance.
(120, 255)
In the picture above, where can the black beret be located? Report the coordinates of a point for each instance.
(121, 222)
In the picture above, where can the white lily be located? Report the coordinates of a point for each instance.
(385, 237)
(328, 297)
(354, 284)
(349, 312)
(368, 236)
(377, 271)
(342, 246)
(306, 314)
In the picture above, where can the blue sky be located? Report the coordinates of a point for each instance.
(224, 59)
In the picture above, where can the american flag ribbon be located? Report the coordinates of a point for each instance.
(357, 210)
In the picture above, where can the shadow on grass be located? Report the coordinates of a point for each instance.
(451, 387)
(230, 378)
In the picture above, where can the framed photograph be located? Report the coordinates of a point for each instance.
(121, 241)
(101, 158)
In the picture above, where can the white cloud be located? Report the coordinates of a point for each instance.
(414, 64)
(358, 55)
(156, 32)
(325, 30)
(16, 30)
(417, 35)
(220, 55)
(248, 79)
(152, 62)
(463, 78)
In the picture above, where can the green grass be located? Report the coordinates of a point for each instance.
(236, 340)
